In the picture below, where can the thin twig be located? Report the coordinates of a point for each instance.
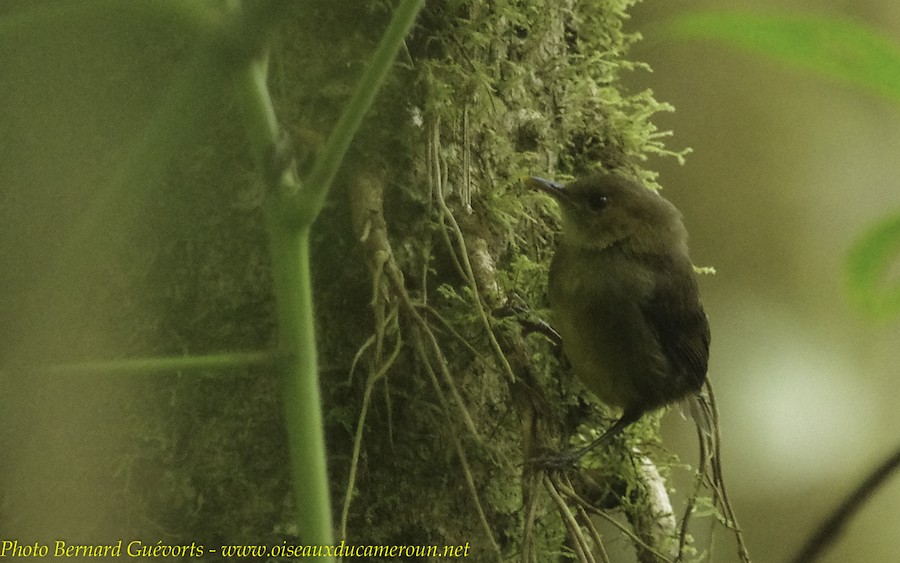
(831, 528)
(594, 533)
(530, 489)
(692, 499)
(718, 483)
(570, 493)
(470, 482)
(473, 491)
(579, 542)
(374, 377)
(469, 274)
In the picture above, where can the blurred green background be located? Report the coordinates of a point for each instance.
(788, 170)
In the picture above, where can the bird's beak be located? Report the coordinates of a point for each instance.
(555, 189)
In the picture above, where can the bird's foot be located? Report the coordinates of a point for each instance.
(530, 322)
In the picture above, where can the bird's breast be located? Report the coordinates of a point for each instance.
(595, 302)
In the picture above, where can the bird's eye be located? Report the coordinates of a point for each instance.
(596, 202)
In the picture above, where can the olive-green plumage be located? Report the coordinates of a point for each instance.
(624, 295)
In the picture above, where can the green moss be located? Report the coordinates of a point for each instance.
(486, 94)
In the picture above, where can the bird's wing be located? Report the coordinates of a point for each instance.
(675, 314)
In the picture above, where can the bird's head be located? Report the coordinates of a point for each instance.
(603, 209)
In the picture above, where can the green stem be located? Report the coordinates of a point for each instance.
(154, 365)
(316, 185)
(301, 397)
(291, 210)
(289, 249)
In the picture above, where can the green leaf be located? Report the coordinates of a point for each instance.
(869, 266)
(836, 48)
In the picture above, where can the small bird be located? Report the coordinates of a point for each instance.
(624, 296)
